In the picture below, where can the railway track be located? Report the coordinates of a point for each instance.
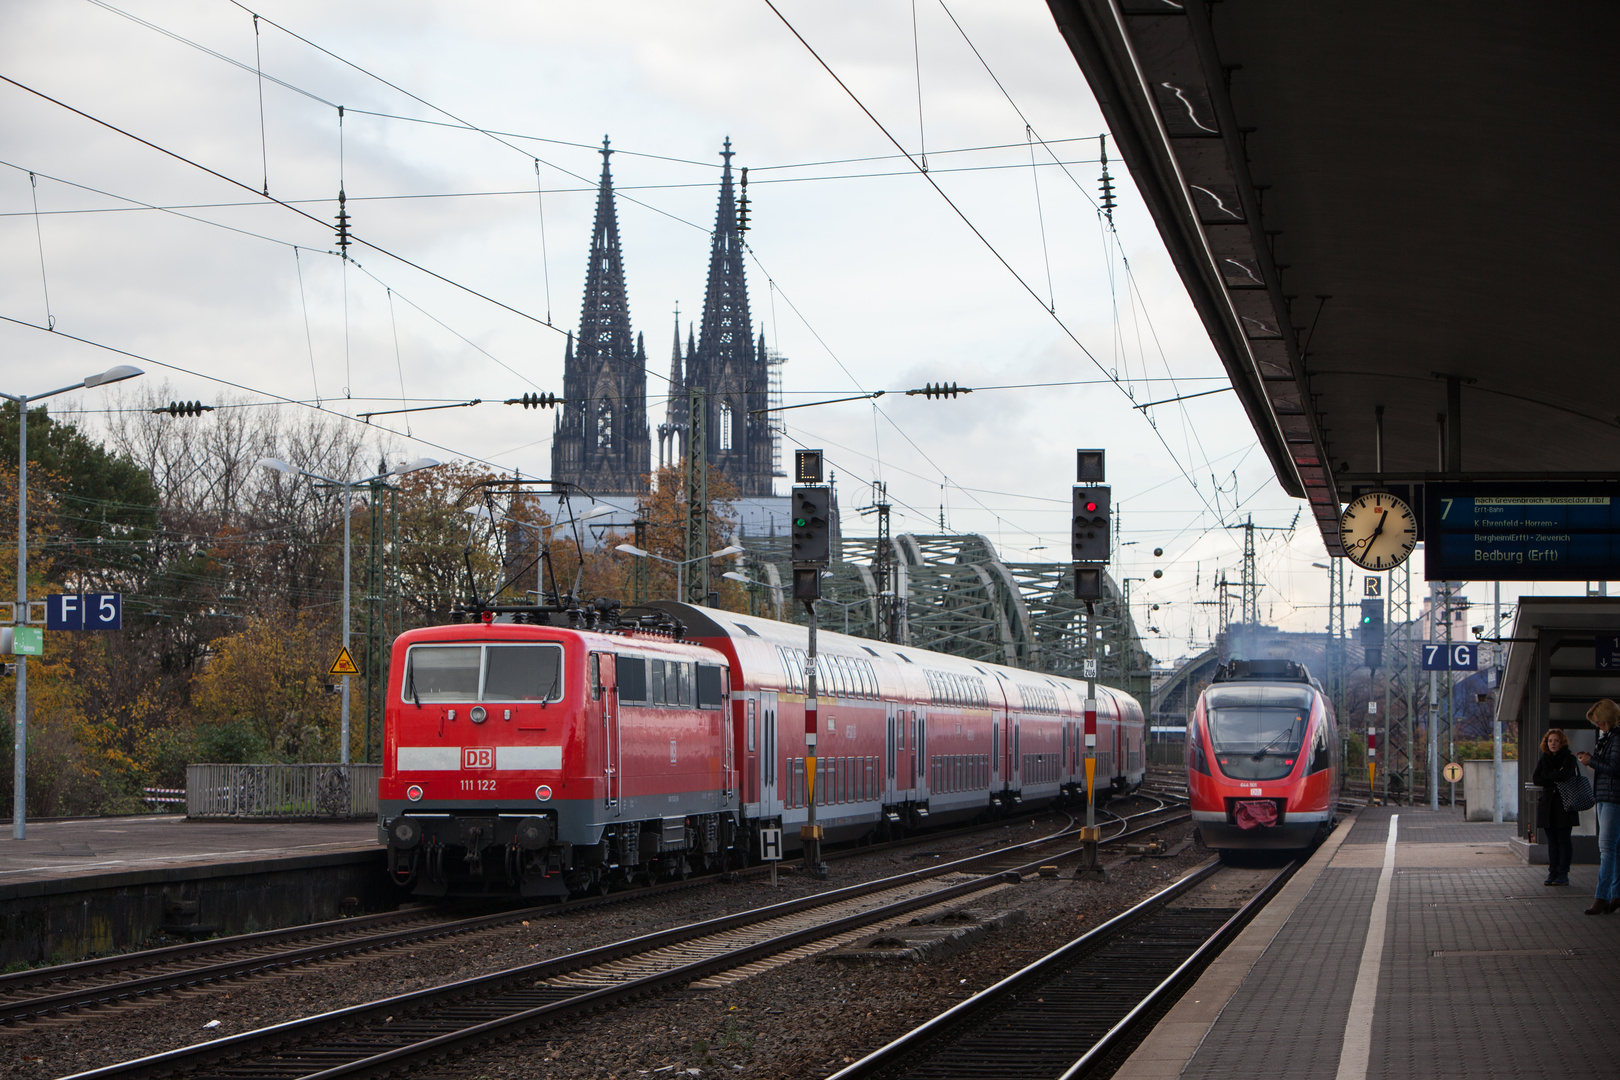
(386, 1035)
(30, 995)
(1066, 1013)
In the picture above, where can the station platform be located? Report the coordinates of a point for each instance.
(79, 888)
(1439, 955)
(57, 850)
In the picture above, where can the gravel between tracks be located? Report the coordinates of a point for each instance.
(803, 1019)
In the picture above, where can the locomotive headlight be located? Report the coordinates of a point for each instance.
(405, 833)
(477, 714)
(543, 792)
(414, 793)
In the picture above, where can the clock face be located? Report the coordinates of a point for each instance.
(1378, 531)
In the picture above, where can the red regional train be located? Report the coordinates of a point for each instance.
(1263, 758)
(550, 754)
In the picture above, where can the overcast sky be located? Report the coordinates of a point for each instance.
(474, 174)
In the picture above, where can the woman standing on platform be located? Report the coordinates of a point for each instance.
(1556, 765)
(1604, 761)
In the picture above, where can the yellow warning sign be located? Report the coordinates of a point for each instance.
(343, 665)
(1453, 772)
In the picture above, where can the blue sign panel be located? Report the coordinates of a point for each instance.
(1457, 656)
(1522, 531)
(84, 611)
(64, 611)
(1608, 651)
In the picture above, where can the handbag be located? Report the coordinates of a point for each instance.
(1577, 793)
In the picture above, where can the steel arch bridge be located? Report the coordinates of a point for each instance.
(953, 593)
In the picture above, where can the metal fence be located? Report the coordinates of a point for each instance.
(1166, 754)
(282, 791)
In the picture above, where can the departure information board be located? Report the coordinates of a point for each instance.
(1522, 531)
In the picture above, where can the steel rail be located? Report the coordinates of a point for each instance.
(948, 1022)
(1212, 945)
(299, 1031)
(19, 1009)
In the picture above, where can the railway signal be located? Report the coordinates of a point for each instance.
(1372, 632)
(812, 526)
(1091, 536)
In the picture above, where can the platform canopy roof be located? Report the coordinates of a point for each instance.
(1387, 214)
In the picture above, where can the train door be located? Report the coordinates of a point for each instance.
(1014, 752)
(748, 706)
(919, 723)
(890, 754)
(770, 800)
(605, 688)
(996, 771)
(1119, 739)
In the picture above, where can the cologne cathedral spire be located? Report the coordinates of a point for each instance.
(601, 440)
(726, 364)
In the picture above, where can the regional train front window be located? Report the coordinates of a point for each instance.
(1257, 731)
(482, 673)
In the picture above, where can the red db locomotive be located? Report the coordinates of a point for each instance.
(547, 753)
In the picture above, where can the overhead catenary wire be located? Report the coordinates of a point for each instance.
(980, 235)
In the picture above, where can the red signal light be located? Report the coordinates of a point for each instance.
(1091, 508)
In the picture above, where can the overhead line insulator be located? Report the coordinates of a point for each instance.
(184, 408)
(942, 390)
(535, 401)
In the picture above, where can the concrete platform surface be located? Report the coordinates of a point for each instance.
(69, 849)
(1439, 955)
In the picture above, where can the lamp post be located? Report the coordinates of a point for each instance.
(348, 487)
(19, 789)
(680, 565)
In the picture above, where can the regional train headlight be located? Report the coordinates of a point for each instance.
(477, 714)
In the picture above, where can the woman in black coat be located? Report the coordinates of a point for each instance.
(1555, 765)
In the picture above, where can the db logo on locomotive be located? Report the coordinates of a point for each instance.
(477, 757)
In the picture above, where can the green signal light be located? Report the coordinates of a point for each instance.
(799, 523)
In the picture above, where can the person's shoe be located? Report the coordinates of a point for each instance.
(1560, 881)
(1550, 881)
(1599, 907)
(1614, 906)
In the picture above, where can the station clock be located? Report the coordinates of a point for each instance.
(1378, 531)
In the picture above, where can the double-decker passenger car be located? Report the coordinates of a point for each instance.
(1262, 758)
(549, 759)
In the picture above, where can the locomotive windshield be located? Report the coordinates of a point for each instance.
(483, 673)
(1257, 731)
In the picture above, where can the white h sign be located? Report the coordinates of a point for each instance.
(770, 844)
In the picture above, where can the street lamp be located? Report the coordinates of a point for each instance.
(19, 790)
(348, 487)
(680, 565)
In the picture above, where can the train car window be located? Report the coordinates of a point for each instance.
(1321, 758)
(995, 740)
(1257, 732)
(709, 686)
(655, 682)
(750, 732)
(1197, 761)
(632, 679)
(442, 673)
(900, 733)
(596, 677)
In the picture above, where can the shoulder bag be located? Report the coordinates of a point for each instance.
(1577, 793)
